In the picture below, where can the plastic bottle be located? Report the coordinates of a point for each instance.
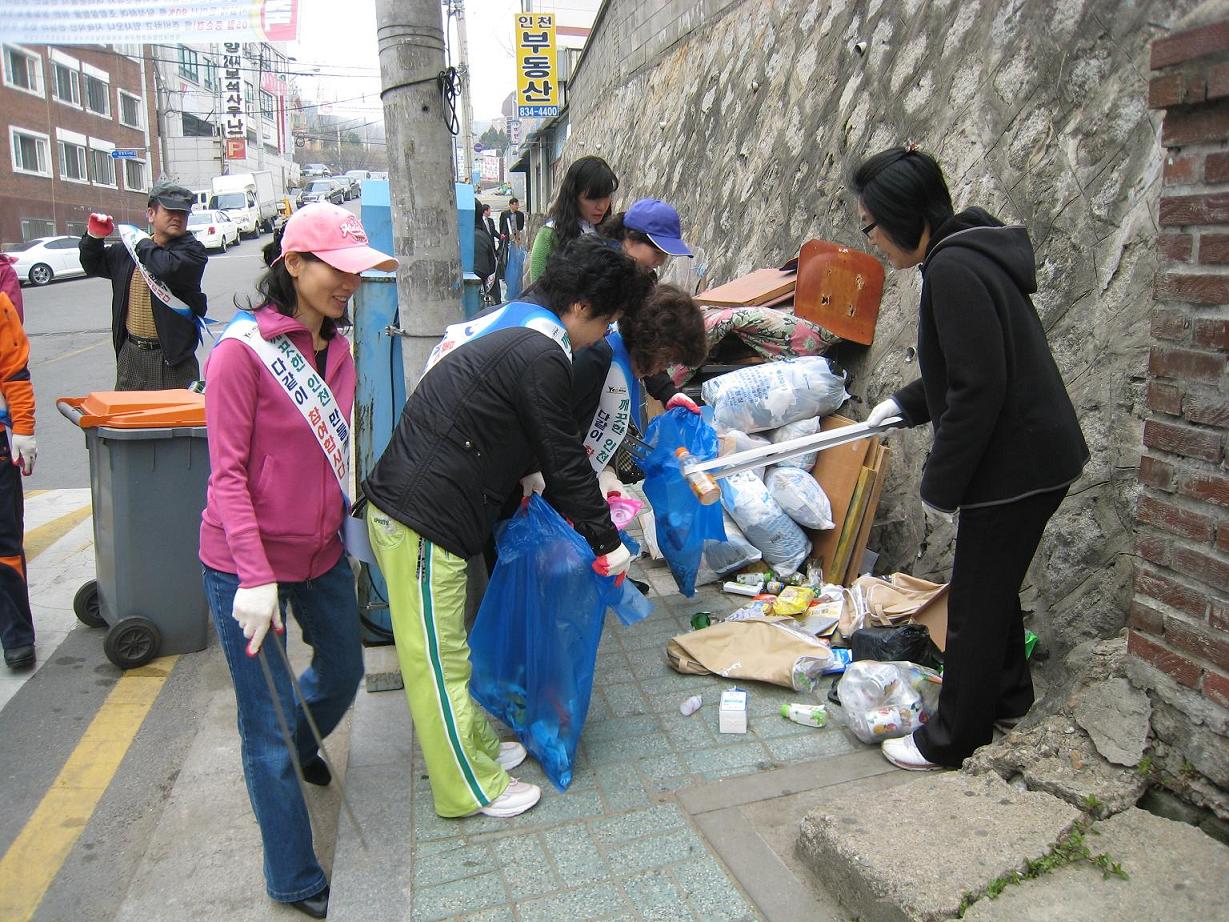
(691, 705)
(809, 715)
(701, 483)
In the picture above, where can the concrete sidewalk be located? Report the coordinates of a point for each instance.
(655, 824)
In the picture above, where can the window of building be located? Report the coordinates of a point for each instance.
(131, 110)
(267, 108)
(97, 95)
(194, 127)
(33, 228)
(134, 176)
(211, 75)
(23, 70)
(67, 84)
(72, 162)
(75, 228)
(102, 167)
(189, 64)
(31, 152)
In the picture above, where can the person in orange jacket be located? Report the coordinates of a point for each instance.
(17, 452)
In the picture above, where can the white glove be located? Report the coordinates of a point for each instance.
(682, 400)
(616, 563)
(25, 451)
(608, 482)
(885, 409)
(935, 515)
(533, 483)
(256, 610)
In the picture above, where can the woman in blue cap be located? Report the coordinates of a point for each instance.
(669, 329)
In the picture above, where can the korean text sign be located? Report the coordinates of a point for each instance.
(537, 89)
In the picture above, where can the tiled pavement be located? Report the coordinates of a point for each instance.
(617, 844)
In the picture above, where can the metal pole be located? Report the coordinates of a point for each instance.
(467, 107)
(424, 209)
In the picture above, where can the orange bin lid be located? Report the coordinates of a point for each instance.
(139, 409)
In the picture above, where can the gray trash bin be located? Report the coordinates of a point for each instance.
(149, 469)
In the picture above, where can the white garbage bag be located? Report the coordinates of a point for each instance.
(796, 431)
(773, 394)
(784, 545)
(722, 557)
(802, 499)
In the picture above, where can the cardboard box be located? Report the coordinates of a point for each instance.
(732, 712)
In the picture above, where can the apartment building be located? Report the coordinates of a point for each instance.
(215, 95)
(65, 110)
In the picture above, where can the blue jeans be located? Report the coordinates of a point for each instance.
(327, 611)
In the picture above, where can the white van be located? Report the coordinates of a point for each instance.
(200, 200)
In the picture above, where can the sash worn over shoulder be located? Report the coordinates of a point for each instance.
(131, 236)
(620, 399)
(315, 402)
(513, 314)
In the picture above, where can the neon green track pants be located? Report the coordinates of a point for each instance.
(426, 596)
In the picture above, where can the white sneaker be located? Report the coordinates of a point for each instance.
(903, 753)
(514, 801)
(511, 755)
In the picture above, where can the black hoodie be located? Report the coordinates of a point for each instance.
(1004, 425)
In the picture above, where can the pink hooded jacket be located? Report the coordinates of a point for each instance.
(274, 506)
(10, 284)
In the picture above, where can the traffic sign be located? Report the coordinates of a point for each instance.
(124, 154)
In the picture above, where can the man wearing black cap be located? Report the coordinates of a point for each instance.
(156, 297)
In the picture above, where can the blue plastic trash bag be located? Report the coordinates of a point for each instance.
(683, 524)
(513, 271)
(533, 647)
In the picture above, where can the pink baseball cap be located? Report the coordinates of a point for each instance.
(335, 236)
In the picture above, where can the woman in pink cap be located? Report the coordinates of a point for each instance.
(280, 388)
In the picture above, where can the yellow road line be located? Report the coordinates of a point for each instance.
(69, 355)
(30, 494)
(39, 539)
(40, 849)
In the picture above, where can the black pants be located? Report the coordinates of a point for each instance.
(16, 621)
(985, 674)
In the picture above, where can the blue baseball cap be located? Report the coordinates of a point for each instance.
(660, 223)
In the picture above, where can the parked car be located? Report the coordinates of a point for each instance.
(40, 260)
(349, 185)
(313, 170)
(322, 190)
(214, 229)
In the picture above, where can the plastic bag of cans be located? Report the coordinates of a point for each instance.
(885, 700)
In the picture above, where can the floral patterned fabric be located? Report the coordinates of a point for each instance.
(772, 333)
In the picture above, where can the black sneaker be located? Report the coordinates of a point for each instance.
(19, 657)
(315, 771)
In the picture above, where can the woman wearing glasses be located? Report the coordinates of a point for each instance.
(1007, 444)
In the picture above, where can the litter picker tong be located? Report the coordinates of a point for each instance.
(753, 458)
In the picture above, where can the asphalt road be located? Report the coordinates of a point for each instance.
(69, 326)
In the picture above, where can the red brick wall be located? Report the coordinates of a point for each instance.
(1179, 619)
(61, 201)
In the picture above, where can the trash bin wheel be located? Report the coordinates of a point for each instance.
(87, 607)
(132, 642)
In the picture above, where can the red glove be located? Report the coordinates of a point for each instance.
(101, 225)
(682, 400)
(615, 564)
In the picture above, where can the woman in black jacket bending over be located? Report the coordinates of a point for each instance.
(1007, 444)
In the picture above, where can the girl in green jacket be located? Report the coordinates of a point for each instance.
(583, 202)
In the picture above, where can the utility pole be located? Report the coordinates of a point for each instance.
(467, 107)
(420, 154)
